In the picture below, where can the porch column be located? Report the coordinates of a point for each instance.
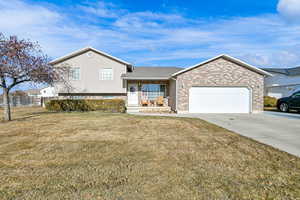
(139, 92)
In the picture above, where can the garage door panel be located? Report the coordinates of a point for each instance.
(219, 100)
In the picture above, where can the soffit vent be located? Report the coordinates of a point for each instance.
(89, 54)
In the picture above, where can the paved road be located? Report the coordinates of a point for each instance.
(280, 130)
(287, 115)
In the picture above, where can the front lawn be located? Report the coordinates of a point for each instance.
(118, 156)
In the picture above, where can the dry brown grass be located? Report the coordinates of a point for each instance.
(119, 156)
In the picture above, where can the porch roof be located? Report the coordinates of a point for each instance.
(151, 73)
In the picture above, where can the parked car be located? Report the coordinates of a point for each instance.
(291, 102)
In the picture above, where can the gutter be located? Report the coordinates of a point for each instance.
(146, 78)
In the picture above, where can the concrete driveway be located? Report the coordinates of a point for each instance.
(279, 130)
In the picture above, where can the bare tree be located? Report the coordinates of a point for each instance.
(23, 61)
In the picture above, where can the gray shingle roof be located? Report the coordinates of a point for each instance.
(294, 71)
(151, 72)
(287, 71)
(276, 70)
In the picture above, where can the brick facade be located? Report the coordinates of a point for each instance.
(220, 72)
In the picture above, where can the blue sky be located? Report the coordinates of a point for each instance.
(162, 32)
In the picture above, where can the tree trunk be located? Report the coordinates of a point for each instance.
(7, 114)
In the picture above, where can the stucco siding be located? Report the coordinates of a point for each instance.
(90, 67)
(220, 72)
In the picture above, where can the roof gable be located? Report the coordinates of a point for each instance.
(229, 58)
(84, 50)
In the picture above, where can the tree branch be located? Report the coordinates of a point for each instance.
(17, 82)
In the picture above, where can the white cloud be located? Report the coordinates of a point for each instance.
(147, 21)
(15, 13)
(290, 9)
(100, 9)
(146, 38)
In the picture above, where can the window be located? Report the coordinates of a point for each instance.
(106, 74)
(132, 89)
(89, 54)
(152, 91)
(296, 95)
(75, 74)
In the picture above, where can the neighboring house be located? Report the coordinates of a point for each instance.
(48, 92)
(29, 97)
(283, 83)
(18, 93)
(220, 85)
(33, 92)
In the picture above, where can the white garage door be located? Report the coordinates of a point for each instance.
(219, 100)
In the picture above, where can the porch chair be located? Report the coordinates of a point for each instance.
(144, 102)
(160, 101)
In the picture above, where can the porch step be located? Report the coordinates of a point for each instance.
(165, 109)
(131, 109)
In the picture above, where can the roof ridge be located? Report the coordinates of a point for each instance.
(230, 58)
(82, 50)
(293, 68)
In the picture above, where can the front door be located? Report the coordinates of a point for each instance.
(132, 94)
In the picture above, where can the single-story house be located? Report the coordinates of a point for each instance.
(222, 84)
(48, 92)
(283, 83)
(33, 93)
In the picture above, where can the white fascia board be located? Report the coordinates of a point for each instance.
(78, 52)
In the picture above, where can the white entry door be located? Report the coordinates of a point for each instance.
(219, 100)
(132, 95)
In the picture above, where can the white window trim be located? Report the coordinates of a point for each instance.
(79, 77)
(101, 77)
(165, 90)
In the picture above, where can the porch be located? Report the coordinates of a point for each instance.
(148, 96)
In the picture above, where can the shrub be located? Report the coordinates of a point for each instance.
(104, 105)
(107, 105)
(270, 101)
